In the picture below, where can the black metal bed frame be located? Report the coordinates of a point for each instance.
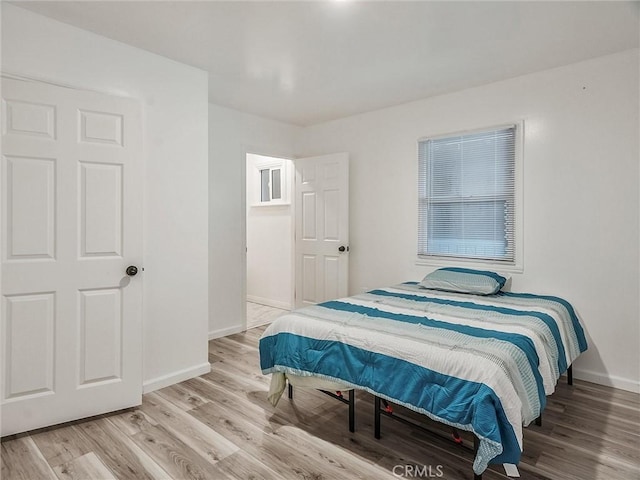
(388, 411)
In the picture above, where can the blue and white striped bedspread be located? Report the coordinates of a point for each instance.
(478, 363)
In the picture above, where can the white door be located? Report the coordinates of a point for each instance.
(71, 225)
(322, 228)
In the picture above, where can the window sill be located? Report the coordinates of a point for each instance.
(269, 204)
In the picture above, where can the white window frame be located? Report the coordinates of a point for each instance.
(517, 266)
(271, 165)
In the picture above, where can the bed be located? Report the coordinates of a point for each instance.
(477, 362)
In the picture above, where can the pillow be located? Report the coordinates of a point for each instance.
(464, 280)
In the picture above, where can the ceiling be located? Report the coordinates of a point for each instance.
(308, 62)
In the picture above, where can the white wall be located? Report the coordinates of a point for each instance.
(581, 188)
(581, 184)
(232, 135)
(269, 239)
(174, 102)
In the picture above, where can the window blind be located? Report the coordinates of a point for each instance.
(467, 195)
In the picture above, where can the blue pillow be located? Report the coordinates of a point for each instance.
(464, 280)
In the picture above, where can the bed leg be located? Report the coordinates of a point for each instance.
(539, 421)
(352, 410)
(570, 375)
(376, 416)
(290, 391)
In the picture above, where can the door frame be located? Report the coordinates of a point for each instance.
(256, 150)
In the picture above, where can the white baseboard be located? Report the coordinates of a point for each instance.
(175, 377)
(269, 303)
(223, 332)
(607, 380)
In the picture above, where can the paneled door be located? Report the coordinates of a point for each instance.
(322, 228)
(71, 225)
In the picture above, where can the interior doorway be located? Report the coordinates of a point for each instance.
(269, 230)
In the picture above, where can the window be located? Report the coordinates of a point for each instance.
(270, 184)
(467, 195)
(268, 180)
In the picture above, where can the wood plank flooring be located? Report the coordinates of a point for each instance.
(221, 426)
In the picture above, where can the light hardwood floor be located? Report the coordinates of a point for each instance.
(221, 426)
(258, 315)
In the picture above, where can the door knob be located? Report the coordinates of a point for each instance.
(131, 270)
(342, 248)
